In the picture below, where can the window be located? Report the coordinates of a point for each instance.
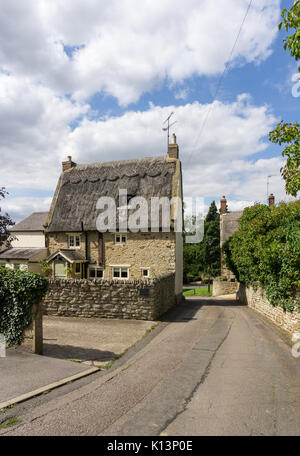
(74, 241)
(145, 272)
(120, 273)
(95, 273)
(78, 268)
(16, 266)
(121, 238)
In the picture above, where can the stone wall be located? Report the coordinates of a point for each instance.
(132, 299)
(286, 320)
(222, 287)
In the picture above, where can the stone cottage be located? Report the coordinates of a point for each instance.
(78, 250)
(27, 247)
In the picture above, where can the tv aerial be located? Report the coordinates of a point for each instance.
(167, 128)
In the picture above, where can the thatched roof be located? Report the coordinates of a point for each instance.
(80, 187)
(35, 222)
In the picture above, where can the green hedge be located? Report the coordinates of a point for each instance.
(19, 290)
(265, 252)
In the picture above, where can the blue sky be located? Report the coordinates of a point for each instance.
(97, 84)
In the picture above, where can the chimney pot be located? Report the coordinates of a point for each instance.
(223, 208)
(271, 199)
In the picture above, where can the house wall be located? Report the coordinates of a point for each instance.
(155, 251)
(110, 298)
(229, 224)
(28, 239)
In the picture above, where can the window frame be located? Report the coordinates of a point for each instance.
(121, 236)
(75, 238)
(120, 272)
(148, 273)
(95, 268)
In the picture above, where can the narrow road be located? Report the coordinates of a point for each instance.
(217, 369)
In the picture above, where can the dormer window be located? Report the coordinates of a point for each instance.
(74, 241)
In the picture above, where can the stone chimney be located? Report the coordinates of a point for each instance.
(223, 207)
(271, 200)
(173, 149)
(68, 164)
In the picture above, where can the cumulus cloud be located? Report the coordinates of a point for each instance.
(127, 48)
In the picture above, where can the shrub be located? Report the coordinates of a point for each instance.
(265, 251)
(19, 290)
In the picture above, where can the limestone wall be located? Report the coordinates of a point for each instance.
(286, 320)
(222, 287)
(132, 299)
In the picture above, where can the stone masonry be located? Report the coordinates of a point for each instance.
(224, 287)
(286, 320)
(131, 299)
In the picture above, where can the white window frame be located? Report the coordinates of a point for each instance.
(120, 271)
(74, 238)
(148, 272)
(120, 236)
(95, 268)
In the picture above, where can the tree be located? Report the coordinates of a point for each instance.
(289, 133)
(5, 221)
(211, 242)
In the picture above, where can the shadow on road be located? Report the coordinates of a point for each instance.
(186, 311)
(77, 353)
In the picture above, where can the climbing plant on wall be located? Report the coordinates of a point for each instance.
(19, 290)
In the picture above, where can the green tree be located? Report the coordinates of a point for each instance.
(210, 249)
(289, 133)
(5, 221)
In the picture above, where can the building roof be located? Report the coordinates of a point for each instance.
(34, 222)
(80, 188)
(68, 254)
(23, 254)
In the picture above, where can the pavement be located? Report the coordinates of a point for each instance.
(91, 342)
(213, 368)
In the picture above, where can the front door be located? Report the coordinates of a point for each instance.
(60, 270)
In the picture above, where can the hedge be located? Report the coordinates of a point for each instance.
(19, 290)
(265, 251)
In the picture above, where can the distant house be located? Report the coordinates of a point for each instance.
(78, 250)
(28, 245)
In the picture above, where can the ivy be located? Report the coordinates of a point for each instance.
(19, 291)
(265, 251)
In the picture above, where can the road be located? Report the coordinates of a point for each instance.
(216, 368)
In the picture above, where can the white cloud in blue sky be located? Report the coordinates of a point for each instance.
(96, 79)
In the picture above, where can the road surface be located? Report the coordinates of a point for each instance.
(217, 368)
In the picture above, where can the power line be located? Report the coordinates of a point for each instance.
(223, 74)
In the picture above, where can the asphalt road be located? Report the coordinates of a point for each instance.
(217, 369)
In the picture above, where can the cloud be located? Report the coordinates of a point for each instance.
(127, 48)
(21, 207)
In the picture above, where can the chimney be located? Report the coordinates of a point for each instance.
(271, 200)
(223, 208)
(173, 149)
(68, 164)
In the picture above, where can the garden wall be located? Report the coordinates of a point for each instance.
(224, 287)
(132, 299)
(288, 321)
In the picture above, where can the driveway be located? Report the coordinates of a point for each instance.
(217, 368)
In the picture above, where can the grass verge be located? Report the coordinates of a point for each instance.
(197, 292)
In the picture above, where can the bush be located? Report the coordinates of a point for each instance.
(19, 291)
(265, 251)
